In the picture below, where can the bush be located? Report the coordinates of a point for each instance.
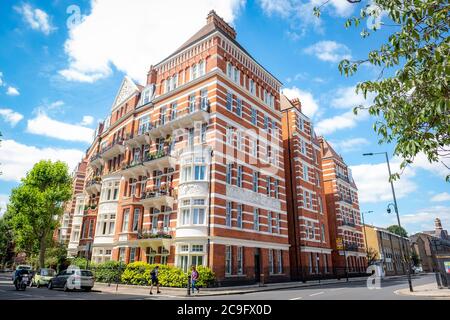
(138, 273)
(79, 262)
(206, 277)
(109, 271)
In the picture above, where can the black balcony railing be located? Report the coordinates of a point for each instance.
(348, 223)
(158, 192)
(95, 157)
(94, 181)
(343, 177)
(154, 234)
(112, 144)
(351, 247)
(150, 156)
(346, 199)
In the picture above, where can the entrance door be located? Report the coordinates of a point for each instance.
(257, 265)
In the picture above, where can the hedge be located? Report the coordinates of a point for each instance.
(109, 271)
(138, 273)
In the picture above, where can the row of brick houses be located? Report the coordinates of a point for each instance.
(209, 164)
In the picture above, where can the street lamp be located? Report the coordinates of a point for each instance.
(396, 210)
(365, 235)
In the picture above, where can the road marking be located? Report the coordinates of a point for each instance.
(296, 298)
(316, 294)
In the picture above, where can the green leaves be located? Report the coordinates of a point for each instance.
(35, 202)
(411, 107)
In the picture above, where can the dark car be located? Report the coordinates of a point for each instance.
(72, 279)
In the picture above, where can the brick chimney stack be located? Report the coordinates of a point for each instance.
(296, 102)
(221, 24)
(151, 75)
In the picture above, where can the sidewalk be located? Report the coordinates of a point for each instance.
(427, 290)
(182, 292)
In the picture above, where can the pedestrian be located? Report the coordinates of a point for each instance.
(194, 279)
(154, 279)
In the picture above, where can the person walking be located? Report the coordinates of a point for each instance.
(154, 280)
(194, 279)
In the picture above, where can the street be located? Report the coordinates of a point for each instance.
(343, 291)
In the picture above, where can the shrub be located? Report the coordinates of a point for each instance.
(138, 273)
(206, 277)
(79, 262)
(109, 271)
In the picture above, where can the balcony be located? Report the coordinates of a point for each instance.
(346, 199)
(113, 149)
(348, 223)
(351, 247)
(134, 169)
(342, 177)
(159, 160)
(96, 161)
(140, 137)
(93, 186)
(154, 238)
(162, 196)
(180, 120)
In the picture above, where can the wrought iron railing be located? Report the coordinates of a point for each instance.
(161, 233)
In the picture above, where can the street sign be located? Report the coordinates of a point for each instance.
(447, 266)
(339, 244)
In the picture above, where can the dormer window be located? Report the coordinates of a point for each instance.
(146, 96)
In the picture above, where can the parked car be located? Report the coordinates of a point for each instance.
(71, 279)
(417, 269)
(42, 277)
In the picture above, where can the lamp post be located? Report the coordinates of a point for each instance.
(365, 235)
(396, 211)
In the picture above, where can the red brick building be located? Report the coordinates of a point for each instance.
(346, 231)
(188, 169)
(310, 251)
(63, 233)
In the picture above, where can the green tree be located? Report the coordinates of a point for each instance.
(413, 105)
(6, 240)
(397, 230)
(372, 255)
(415, 258)
(36, 205)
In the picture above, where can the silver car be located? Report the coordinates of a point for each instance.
(73, 279)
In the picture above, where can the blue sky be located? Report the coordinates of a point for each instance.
(60, 72)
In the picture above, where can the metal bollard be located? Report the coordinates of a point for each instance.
(189, 286)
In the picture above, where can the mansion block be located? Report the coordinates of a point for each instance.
(206, 164)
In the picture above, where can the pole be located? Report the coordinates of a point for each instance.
(398, 221)
(365, 238)
(345, 257)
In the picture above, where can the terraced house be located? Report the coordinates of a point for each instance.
(188, 169)
(310, 251)
(344, 216)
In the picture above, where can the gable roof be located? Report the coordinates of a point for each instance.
(127, 89)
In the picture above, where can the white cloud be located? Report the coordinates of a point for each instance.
(441, 197)
(350, 144)
(17, 158)
(130, 35)
(37, 19)
(10, 116)
(346, 120)
(309, 105)
(45, 126)
(87, 121)
(347, 98)
(341, 8)
(4, 199)
(330, 51)
(12, 91)
(281, 7)
(423, 219)
(436, 168)
(373, 184)
(1, 79)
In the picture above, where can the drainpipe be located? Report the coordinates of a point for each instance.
(209, 209)
(295, 216)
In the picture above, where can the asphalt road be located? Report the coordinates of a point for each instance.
(342, 291)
